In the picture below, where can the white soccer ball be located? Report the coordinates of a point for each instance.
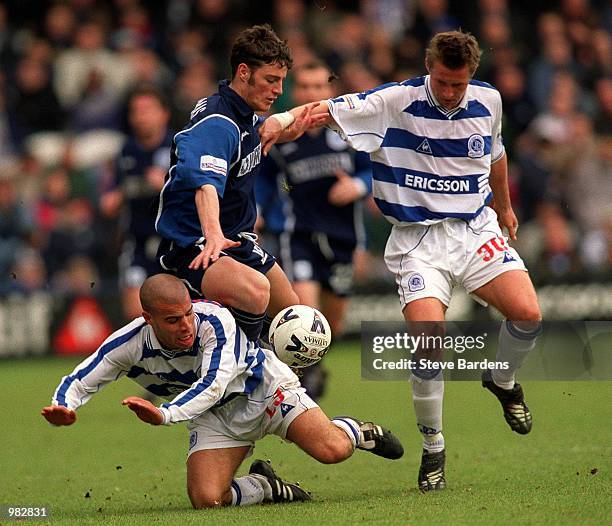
(300, 336)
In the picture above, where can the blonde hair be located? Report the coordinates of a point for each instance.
(454, 49)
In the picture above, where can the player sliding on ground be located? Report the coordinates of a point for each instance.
(229, 391)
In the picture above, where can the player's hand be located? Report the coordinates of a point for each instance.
(58, 415)
(305, 121)
(144, 410)
(345, 190)
(212, 250)
(507, 219)
(271, 130)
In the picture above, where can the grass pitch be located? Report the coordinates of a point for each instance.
(110, 468)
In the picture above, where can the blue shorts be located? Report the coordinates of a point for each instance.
(138, 260)
(313, 256)
(174, 259)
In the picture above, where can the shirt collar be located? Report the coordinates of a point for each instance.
(156, 345)
(434, 102)
(237, 102)
(154, 342)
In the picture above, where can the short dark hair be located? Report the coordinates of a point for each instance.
(164, 289)
(257, 46)
(454, 49)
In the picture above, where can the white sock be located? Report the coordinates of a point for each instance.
(433, 443)
(250, 489)
(513, 346)
(427, 397)
(350, 427)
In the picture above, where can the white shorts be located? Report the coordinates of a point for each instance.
(429, 260)
(269, 409)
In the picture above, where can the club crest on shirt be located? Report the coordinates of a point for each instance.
(476, 146)
(416, 283)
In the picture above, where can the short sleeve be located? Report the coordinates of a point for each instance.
(362, 119)
(497, 142)
(205, 153)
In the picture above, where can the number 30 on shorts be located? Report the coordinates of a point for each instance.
(496, 244)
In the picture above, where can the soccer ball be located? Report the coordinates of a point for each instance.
(300, 336)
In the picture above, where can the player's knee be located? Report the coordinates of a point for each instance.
(334, 451)
(259, 294)
(203, 498)
(528, 313)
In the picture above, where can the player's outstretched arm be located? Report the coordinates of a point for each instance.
(59, 415)
(144, 410)
(290, 125)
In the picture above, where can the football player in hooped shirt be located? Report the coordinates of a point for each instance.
(438, 160)
(207, 205)
(228, 390)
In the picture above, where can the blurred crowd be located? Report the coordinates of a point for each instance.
(67, 67)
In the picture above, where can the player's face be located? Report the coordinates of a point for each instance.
(147, 116)
(448, 85)
(311, 85)
(263, 86)
(173, 324)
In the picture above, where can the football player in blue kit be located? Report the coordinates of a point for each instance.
(207, 205)
(139, 176)
(324, 182)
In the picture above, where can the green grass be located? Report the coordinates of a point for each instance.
(494, 476)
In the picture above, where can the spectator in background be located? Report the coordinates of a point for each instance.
(28, 273)
(8, 148)
(353, 46)
(74, 234)
(59, 26)
(433, 17)
(16, 228)
(603, 118)
(139, 177)
(134, 27)
(33, 105)
(496, 37)
(555, 56)
(148, 68)
(589, 193)
(89, 63)
(77, 278)
(7, 40)
(518, 108)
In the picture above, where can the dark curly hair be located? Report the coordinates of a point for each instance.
(257, 46)
(454, 49)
